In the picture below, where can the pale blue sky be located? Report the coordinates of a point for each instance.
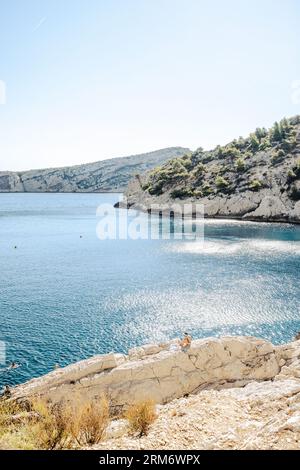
(94, 79)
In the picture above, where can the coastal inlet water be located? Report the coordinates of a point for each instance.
(66, 295)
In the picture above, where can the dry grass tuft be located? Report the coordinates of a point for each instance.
(90, 421)
(51, 429)
(14, 426)
(50, 426)
(8, 408)
(140, 416)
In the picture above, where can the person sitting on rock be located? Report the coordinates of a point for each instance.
(185, 343)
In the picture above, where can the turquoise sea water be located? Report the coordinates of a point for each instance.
(66, 295)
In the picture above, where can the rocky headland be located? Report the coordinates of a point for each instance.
(254, 178)
(224, 393)
(103, 176)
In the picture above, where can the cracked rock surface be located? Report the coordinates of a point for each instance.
(163, 373)
(262, 415)
(232, 392)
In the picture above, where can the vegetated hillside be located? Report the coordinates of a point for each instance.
(257, 177)
(105, 175)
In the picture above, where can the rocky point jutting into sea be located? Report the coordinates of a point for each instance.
(254, 178)
(236, 392)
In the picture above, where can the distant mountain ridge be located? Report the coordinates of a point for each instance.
(105, 175)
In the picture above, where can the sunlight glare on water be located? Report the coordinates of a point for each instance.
(66, 295)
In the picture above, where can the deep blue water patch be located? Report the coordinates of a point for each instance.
(66, 295)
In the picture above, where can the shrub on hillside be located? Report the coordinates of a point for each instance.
(199, 170)
(230, 152)
(281, 131)
(90, 421)
(221, 182)
(206, 189)
(247, 154)
(156, 189)
(260, 133)
(181, 193)
(255, 185)
(291, 175)
(289, 144)
(240, 165)
(51, 429)
(198, 193)
(50, 426)
(278, 156)
(140, 416)
(264, 144)
(297, 168)
(254, 142)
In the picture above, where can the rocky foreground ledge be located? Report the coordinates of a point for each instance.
(225, 393)
(159, 372)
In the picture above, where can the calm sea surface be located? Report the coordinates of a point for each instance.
(66, 295)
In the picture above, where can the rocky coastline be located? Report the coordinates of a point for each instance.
(163, 372)
(255, 178)
(259, 207)
(231, 392)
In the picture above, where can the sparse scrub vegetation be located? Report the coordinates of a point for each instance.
(230, 151)
(90, 422)
(221, 169)
(50, 426)
(199, 170)
(182, 193)
(140, 416)
(255, 185)
(240, 165)
(206, 189)
(51, 430)
(278, 156)
(254, 142)
(221, 182)
(264, 144)
(296, 169)
(291, 175)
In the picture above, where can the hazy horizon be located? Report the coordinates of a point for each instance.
(83, 82)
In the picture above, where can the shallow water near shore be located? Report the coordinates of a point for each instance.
(66, 295)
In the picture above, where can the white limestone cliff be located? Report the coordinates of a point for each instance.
(156, 372)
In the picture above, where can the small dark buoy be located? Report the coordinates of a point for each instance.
(15, 246)
(80, 236)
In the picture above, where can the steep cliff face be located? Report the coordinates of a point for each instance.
(106, 175)
(257, 178)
